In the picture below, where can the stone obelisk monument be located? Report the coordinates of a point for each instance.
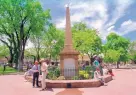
(68, 56)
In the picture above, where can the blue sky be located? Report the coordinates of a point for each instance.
(105, 15)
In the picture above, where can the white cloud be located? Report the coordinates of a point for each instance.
(127, 27)
(60, 23)
(82, 10)
(29, 44)
(126, 23)
(97, 12)
(110, 28)
(120, 10)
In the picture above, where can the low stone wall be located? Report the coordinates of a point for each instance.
(73, 83)
(76, 83)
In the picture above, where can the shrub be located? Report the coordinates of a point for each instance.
(88, 68)
(83, 74)
(54, 72)
(86, 76)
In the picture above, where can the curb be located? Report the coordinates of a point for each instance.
(12, 74)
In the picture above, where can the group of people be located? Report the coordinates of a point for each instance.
(101, 69)
(38, 67)
(42, 66)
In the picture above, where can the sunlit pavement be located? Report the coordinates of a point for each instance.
(124, 83)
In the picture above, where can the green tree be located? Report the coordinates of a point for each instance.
(37, 39)
(30, 53)
(53, 42)
(18, 20)
(4, 52)
(132, 51)
(111, 56)
(86, 40)
(118, 43)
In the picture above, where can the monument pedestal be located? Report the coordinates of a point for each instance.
(69, 63)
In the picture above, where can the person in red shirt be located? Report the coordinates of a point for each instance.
(110, 72)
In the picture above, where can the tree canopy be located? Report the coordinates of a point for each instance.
(53, 41)
(86, 40)
(18, 20)
(116, 48)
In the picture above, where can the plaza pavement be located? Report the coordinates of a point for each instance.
(123, 84)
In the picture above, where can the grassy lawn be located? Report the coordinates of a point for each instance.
(8, 70)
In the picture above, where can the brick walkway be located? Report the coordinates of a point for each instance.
(124, 84)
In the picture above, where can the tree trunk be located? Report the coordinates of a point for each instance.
(118, 64)
(50, 60)
(20, 61)
(91, 60)
(134, 61)
(38, 57)
(11, 60)
(90, 57)
(125, 63)
(15, 58)
(34, 59)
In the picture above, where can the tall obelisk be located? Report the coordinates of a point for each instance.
(69, 56)
(68, 34)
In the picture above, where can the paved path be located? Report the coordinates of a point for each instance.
(124, 84)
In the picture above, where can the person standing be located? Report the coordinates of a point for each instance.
(96, 63)
(44, 69)
(36, 70)
(101, 65)
(4, 67)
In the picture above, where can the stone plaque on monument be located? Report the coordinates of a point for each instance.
(69, 67)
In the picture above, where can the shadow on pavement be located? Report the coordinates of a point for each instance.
(49, 89)
(70, 91)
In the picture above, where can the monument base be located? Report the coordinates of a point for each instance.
(69, 64)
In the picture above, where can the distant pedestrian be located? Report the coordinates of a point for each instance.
(4, 67)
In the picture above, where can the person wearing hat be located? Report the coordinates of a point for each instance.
(44, 69)
(36, 70)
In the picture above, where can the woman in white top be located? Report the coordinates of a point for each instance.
(97, 75)
(44, 69)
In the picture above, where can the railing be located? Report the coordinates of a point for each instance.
(74, 74)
